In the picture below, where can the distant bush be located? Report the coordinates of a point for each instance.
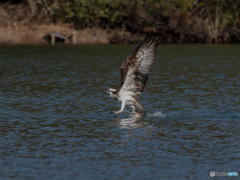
(211, 20)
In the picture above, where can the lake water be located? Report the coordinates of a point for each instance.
(56, 121)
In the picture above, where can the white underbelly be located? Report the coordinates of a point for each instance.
(126, 96)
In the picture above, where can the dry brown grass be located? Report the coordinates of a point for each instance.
(25, 34)
(34, 34)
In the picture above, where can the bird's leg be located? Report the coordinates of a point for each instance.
(122, 107)
(138, 109)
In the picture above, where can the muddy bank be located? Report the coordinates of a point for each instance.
(36, 35)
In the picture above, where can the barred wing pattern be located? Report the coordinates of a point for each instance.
(135, 70)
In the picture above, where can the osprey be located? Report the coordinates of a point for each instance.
(134, 75)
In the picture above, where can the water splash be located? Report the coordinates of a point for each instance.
(157, 114)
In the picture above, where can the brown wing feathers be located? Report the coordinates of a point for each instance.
(141, 59)
(148, 42)
(124, 69)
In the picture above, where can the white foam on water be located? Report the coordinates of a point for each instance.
(157, 114)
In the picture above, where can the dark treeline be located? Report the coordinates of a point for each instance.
(212, 21)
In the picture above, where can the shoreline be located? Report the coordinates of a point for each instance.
(36, 35)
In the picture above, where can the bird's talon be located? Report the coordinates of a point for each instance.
(114, 112)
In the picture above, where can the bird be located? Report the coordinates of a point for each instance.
(135, 70)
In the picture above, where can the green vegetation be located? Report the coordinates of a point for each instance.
(213, 21)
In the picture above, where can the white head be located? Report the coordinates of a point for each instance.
(112, 92)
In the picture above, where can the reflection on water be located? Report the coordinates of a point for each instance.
(131, 123)
(136, 122)
(56, 121)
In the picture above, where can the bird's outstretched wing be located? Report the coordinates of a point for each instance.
(136, 68)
